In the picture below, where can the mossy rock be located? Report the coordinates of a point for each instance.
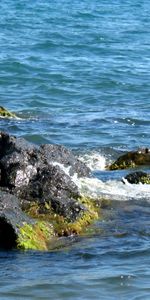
(145, 179)
(85, 219)
(131, 160)
(49, 224)
(5, 113)
(35, 237)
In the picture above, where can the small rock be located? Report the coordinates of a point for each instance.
(137, 177)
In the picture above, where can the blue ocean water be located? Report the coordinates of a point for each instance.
(77, 73)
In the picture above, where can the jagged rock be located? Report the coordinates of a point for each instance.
(132, 159)
(11, 219)
(38, 198)
(137, 177)
(59, 155)
(10, 144)
(5, 113)
(18, 160)
(39, 174)
(51, 185)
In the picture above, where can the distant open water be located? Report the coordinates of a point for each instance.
(77, 73)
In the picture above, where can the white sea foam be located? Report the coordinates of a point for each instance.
(95, 161)
(112, 189)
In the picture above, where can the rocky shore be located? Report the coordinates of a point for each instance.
(39, 199)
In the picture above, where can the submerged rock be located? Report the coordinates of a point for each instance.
(132, 159)
(41, 199)
(137, 177)
(5, 113)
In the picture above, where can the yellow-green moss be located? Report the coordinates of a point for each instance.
(64, 228)
(87, 218)
(5, 113)
(33, 209)
(35, 236)
(122, 165)
(61, 226)
(131, 159)
(145, 180)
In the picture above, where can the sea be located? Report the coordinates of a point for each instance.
(77, 73)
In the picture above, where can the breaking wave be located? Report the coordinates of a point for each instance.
(95, 161)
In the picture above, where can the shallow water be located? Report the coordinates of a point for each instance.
(77, 74)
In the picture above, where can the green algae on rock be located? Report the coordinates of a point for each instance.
(48, 224)
(88, 216)
(60, 224)
(5, 113)
(132, 159)
(35, 237)
(145, 179)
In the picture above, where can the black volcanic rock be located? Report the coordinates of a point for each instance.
(51, 185)
(41, 174)
(138, 177)
(61, 155)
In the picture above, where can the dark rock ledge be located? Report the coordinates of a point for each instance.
(132, 159)
(38, 199)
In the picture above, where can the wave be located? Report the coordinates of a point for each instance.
(111, 188)
(95, 161)
(114, 190)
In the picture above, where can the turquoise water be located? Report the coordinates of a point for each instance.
(77, 73)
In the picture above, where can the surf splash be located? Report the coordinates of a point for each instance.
(112, 189)
(95, 161)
